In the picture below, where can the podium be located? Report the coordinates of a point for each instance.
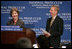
(11, 37)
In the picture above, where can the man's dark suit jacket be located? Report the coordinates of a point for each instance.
(19, 23)
(56, 30)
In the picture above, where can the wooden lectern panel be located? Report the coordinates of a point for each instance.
(3, 38)
(10, 37)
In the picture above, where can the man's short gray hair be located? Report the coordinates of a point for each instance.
(56, 7)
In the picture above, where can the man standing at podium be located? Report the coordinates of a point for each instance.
(54, 27)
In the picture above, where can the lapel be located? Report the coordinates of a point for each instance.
(49, 22)
(54, 21)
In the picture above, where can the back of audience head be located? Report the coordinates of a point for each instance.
(24, 43)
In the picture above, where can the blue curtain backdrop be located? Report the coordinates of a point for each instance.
(35, 14)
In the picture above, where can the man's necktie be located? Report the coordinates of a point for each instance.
(51, 22)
